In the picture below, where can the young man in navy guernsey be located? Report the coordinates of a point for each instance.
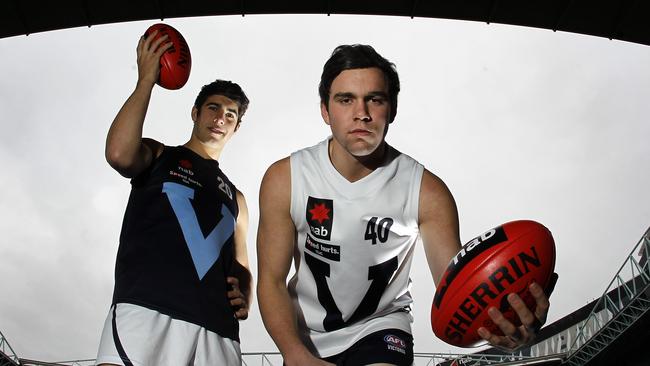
(349, 212)
(182, 281)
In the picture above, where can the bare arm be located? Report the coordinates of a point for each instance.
(126, 151)
(438, 217)
(241, 279)
(275, 244)
(438, 220)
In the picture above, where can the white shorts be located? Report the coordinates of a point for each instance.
(135, 335)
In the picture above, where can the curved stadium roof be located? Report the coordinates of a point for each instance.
(614, 19)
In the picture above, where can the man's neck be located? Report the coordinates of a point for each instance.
(354, 168)
(204, 150)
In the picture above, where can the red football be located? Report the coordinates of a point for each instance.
(176, 62)
(503, 260)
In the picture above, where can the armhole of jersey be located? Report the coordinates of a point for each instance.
(414, 200)
(156, 161)
(294, 162)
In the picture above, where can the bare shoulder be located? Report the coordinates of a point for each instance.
(277, 178)
(434, 192)
(437, 207)
(275, 201)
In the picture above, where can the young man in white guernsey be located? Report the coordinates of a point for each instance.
(349, 211)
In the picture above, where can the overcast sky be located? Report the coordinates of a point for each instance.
(520, 123)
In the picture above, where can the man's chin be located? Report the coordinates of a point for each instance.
(363, 150)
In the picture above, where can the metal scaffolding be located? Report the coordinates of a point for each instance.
(26, 362)
(7, 355)
(420, 359)
(626, 300)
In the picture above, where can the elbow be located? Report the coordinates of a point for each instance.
(261, 289)
(115, 158)
(267, 286)
(120, 161)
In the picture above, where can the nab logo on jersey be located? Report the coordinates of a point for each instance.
(320, 214)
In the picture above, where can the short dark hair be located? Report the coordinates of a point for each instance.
(226, 88)
(358, 56)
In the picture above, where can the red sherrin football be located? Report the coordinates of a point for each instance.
(503, 260)
(176, 62)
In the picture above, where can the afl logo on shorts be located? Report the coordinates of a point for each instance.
(395, 343)
(320, 214)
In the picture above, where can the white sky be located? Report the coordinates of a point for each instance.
(520, 123)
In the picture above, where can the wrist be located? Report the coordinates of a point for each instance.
(297, 357)
(145, 84)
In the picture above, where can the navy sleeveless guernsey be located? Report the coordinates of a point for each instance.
(177, 240)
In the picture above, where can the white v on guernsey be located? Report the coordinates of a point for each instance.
(354, 250)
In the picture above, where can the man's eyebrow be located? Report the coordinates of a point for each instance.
(378, 93)
(209, 104)
(343, 95)
(372, 94)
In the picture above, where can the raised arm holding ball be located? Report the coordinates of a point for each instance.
(181, 276)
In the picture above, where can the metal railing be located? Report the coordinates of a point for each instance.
(26, 362)
(275, 359)
(479, 359)
(626, 299)
(420, 359)
(7, 354)
(261, 359)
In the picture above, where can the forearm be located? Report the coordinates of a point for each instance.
(278, 315)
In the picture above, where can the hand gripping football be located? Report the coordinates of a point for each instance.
(176, 62)
(506, 259)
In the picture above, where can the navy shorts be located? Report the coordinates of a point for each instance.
(391, 346)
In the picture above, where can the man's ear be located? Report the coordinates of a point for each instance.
(195, 114)
(324, 113)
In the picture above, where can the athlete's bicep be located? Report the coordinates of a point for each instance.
(276, 231)
(241, 231)
(438, 222)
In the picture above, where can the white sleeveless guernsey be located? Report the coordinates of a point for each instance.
(354, 248)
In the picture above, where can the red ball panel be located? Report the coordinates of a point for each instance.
(176, 62)
(506, 259)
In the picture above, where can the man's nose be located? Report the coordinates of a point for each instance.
(219, 116)
(361, 112)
